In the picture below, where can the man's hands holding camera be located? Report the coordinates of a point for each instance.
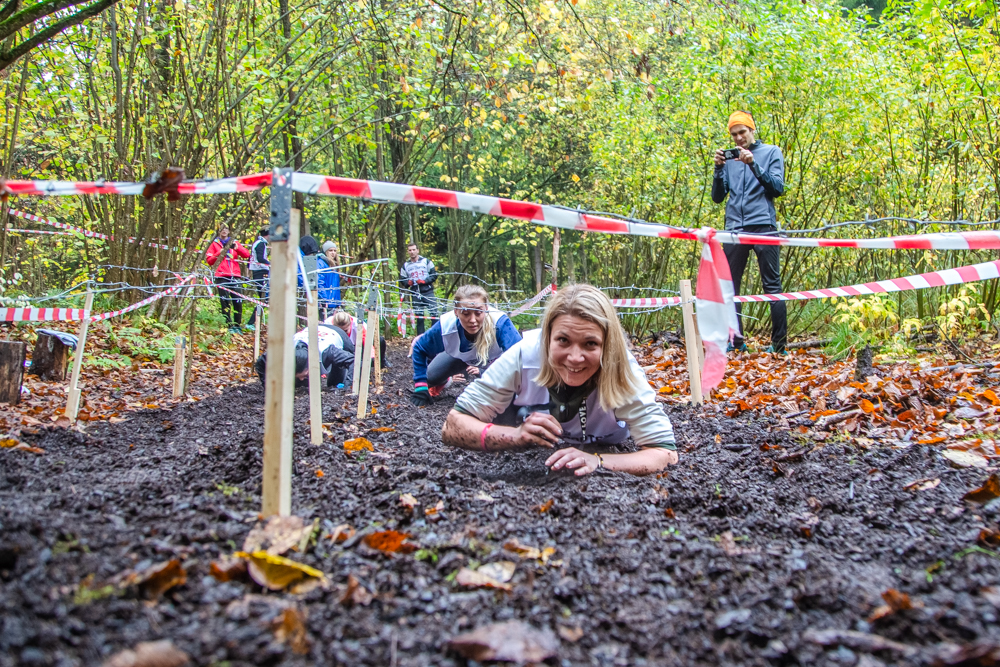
(739, 153)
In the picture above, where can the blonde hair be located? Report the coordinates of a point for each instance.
(488, 333)
(616, 383)
(342, 319)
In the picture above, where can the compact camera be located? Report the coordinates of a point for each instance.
(731, 153)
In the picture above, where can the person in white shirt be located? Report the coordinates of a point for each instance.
(575, 385)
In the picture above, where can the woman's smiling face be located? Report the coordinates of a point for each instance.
(575, 349)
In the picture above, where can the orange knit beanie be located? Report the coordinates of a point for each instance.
(741, 118)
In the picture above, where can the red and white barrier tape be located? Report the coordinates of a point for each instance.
(962, 274)
(11, 230)
(78, 230)
(532, 301)
(41, 314)
(77, 314)
(145, 302)
(552, 216)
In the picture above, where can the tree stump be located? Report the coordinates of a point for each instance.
(50, 358)
(12, 355)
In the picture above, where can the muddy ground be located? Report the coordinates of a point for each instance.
(641, 566)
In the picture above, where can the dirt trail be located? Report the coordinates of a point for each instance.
(643, 567)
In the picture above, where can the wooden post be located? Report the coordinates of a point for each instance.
(256, 334)
(377, 351)
(691, 343)
(279, 388)
(359, 324)
(73, 400)
(189, 370)
(178, 366)
(556, 242)
(366, 359)
(315, 403)
(12, 354)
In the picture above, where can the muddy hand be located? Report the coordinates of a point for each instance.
(540, 429)
(571, 458)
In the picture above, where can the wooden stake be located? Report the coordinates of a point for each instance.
(366, 358)
(256, 333)
(178, 366)
(73, 402)
(377, 351)
(315, 402)
(700, 345)
(189, 372)
(556, 242)
(691, 343)
(279, 389)
(359, 333)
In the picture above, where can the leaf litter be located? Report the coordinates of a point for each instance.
(656, 546)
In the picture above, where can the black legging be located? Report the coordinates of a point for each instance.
(443, 366)
(229, 300)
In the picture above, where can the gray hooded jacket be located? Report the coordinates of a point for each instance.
(752, 189)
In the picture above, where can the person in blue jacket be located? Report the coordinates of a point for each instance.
(465, 340)
(328, 281)
(332, 255)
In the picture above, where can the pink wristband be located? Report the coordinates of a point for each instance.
(482, 436)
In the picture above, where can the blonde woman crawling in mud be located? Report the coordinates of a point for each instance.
(569, 385)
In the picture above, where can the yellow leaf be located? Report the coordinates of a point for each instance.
(866, 406)
(574, 178)
(278, 572)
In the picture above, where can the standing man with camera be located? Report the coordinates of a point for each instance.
(417, 277)
(752, 175)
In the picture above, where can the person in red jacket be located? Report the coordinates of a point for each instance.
(222, 254)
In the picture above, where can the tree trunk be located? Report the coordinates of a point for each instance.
(12, 354)
(537, 265)
(49, 358)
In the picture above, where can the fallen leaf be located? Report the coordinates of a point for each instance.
(278, 535)
(485, 497)
(290, 628)
(355, 593)
(341, 533)
(931, 441)
(546, 506)
(156, 580)
(529, 553)
(572, 635)
(985, 493)
(430, 511)
(319, 473)
(408, 501)
(669, 513)
(965, 459)
(922, 484)
(866, 406)
(511, 641)
(149, 654)
(991, 396)
(389, 541)
(9, 442)
(277, 572)
(358, 444)
(383, 429)
(228, 568)
(24, 447)
(989, 537)
(894, 601)
(493, 575)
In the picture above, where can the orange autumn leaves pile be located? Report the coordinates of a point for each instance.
(955, 407)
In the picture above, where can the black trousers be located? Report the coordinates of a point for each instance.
(421, 302)
(443, 366)
(229, 301)
(770, 276)
(259, 282)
